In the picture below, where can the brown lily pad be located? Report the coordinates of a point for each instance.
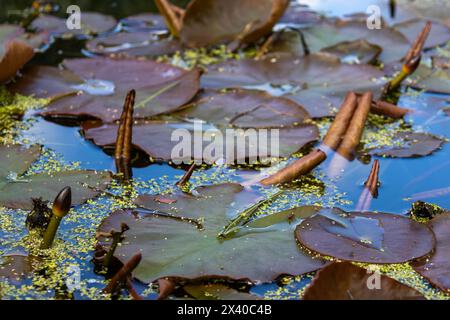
(91, 22)
(17, 189)
(318, 82)
(16, 267)
(226, 21)
(175, 248)
(244, 109)
(410, 145)
(345, 281)
(100, 86)
(134, 44)
(365, 237)
(14, 51)
(157, 140)
(436, 267)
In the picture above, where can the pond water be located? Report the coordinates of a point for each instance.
(403, 181)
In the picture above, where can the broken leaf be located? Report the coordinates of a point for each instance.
(365, 237)
(345, 281)
(178, 249)
(17, 189)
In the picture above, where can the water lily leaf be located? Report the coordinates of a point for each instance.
(326, 34)
(432, 79)
(345, 281)
(410, 145)
(436, 267)
(14, 52)
(16, 267)
(226, 21)
(298, 14)
(144, 22)
(133, 44)
(91, 22)
(439, 33)
(365, 237)
(358, 51)
(244, 109)
(216, 291)
(102, 85)
(157, 140)
(17, 190)
(318, 82)
(177, 249)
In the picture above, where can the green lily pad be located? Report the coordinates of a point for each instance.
(178, 249)
(318, 82)
(244, 109)
(365, 237)
(100, 86)
(345, 281)
(246, 20)
(157, 139)
(410, 145)
(17, 189)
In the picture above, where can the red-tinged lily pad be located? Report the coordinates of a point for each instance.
(175, 248)
(100, 86)
(318, 82)
(439, 33)
(410, 145)
(14, 51)
(326, 34)
(170, 141)
(17, 189)
(365, 237)
(345, 281)
(226, 21)
(134, 44)
(91, 23)
(244, 109)
(216, 291)
(436, 267)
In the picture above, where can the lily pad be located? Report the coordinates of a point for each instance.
(345, 281)
(410, 145)
(365, 237)
(216, 291)
(157, 139)
(16, 267)
(178, 249)
(326, 34)
(436, 267)
(14, 52)
(439, 33)
(358, 51)
(226, 21)
(91, 22)
(318, 82)
(133, 44)
(144, 22)
(434, 79)
(244, 109)
(100, 86)
(17, 189)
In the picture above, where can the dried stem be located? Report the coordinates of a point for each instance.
(370, 189)
(166, 287)
(117, 237)
(172, 14)
(185, 178)
(122, 276)
(122, 153)
(388, 109)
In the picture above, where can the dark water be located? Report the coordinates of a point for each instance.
(402, 180)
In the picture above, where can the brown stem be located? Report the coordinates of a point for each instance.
(356, 127)
(388, 109)
(339, 126)
(132, 291)
(370, 188)
(185, 178)
(117, 237)
(122, 153)
(121, 277)
(166, 287)
(296, 169)
(172, 15)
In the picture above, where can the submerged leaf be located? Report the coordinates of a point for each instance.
(17, 191)
(345, 281)
(100, 85)
(365, 237)
(410, 145)
(178, 249)
(230, 20)
(318, 82)
(216, 291)
(436, 267)
(16, 267)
